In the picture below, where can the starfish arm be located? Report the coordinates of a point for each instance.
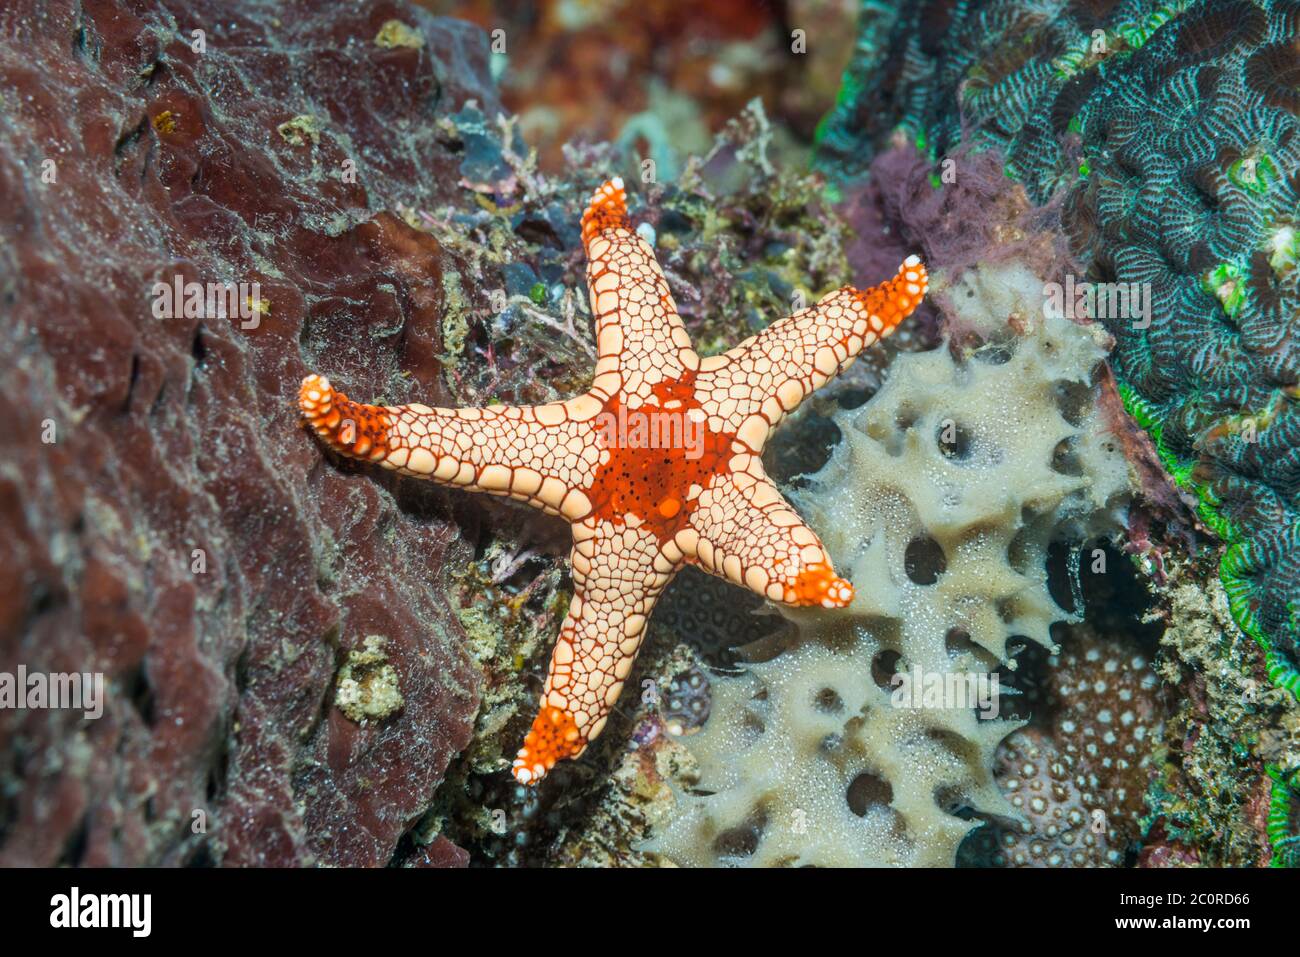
(742, 529)
(544, 455)
(750, 388)
(640, 338)
(618, 574)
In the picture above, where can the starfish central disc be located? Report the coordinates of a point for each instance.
(660, 456)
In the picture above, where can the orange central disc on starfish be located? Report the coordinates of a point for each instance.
(655, 467)
(661, 456)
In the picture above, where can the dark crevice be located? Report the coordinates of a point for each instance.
(140, 691)
(131, 383)
(74, 850)
(127, 142)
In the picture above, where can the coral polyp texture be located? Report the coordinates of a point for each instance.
(656, 466)
(942, 499)
(1170, 134)
(1078, 775)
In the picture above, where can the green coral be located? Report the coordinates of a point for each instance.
(1237, 558)
(1283, 811)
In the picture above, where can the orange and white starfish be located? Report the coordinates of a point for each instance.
(656, 466)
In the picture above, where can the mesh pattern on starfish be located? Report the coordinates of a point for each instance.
(616, 462)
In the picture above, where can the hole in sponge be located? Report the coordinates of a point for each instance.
(829, 701)
(853, 398)
(924, 561)
(1073, 400)
(743, 839)
(889, 434)
(883, 667)
(993, 354)
(954, 440)
(1026, 552)
(951, 799)
(964, 750)
(960, 647)
(868, 791)
(1065, 457)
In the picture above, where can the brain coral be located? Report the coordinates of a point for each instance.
(943, 506)
(1171, 132)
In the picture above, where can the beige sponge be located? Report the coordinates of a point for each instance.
(940, 501)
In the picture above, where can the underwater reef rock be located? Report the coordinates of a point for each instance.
(166, 520)
(659, 79)
(1170, 132)
(1223, 795)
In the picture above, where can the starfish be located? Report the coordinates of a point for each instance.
(656, 466)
